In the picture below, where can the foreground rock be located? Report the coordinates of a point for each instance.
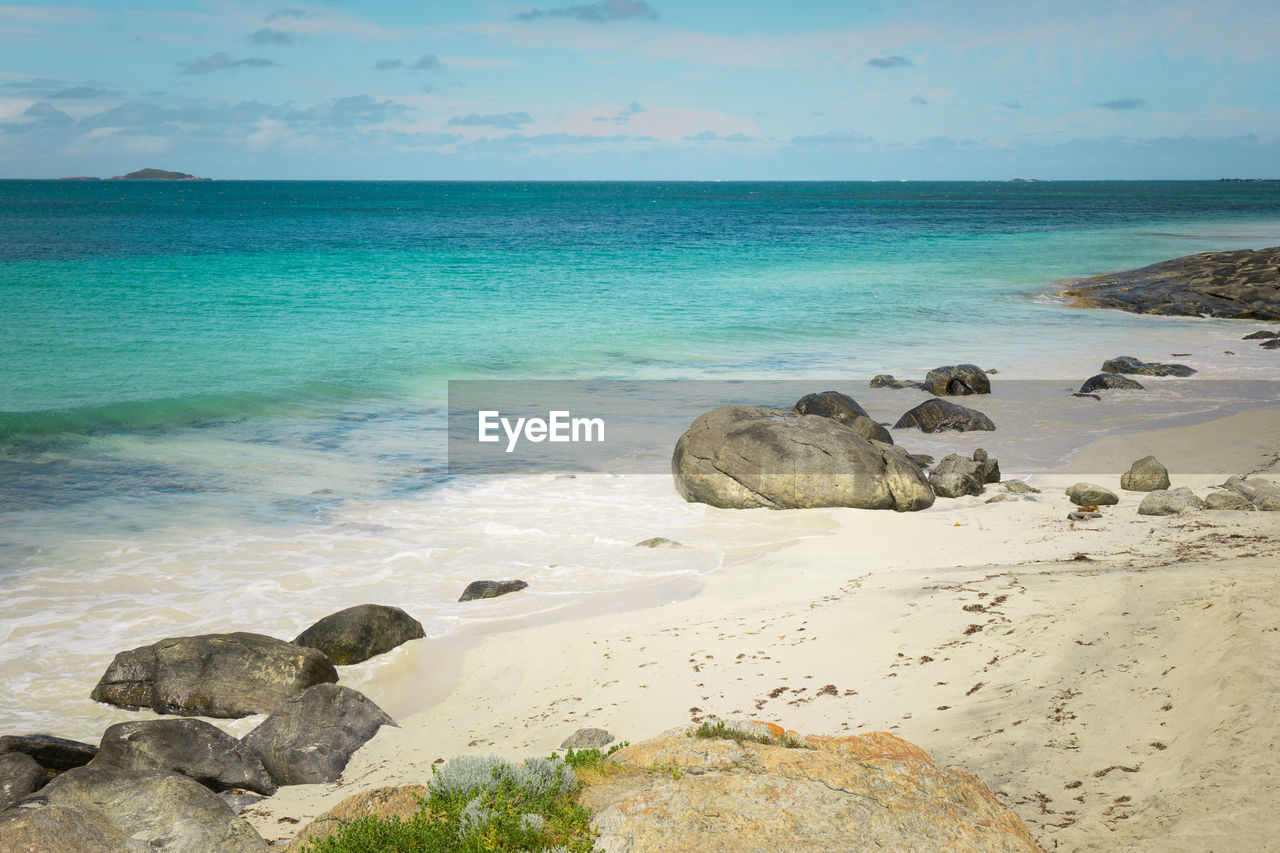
(742, 457)
(939, 415)
(1145, 475)
(361, 632)
(871, 792)
(490, 589)
(1170, 502)
(957, 380)
(40, 827)
(1110, 382)
(311, 737)
(52, 753)
(19, 776)
(1091, 493)
(1243, 284)
(155, 812)
(955, 476)
(212, 675)
(193, 748)
(1129, 364)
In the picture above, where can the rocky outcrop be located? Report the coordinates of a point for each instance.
(1243, 284)
(1110, 382)
(19, 776)
(1091, 493)
(742, 457)
(957, 380)
(52, 753)
(193, 748)
(939, 415)
(155, 812)
(490, 589)
(870, 792)
(38, 826)
(358, 633)
(1145, 475)
(1170, 502)
(212, 675)
(831, 404)
(1131, 365)
(402, 801)
(587, 739)
(311, 737)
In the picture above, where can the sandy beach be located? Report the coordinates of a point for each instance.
(1114, 681)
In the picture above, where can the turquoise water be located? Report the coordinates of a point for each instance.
(221, 403)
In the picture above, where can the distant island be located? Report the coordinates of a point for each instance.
(157, 175)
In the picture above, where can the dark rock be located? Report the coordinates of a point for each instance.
(988, 468)
(311, 737)
(588, 739)
(1170, 502)
(1260, 335)
(1274, 343)
(957, 380)
(490, 589)
(1129, 364)
(831, 404)
(658, 542)
(212, 675)
(194, 748)
(923, 460)
(38, 826)
(51, 753)
(358, 633)
(870, 430)
(938, 415)
(19, 776)
(885, 380)
(955, 476)
(740, 457)
(1108, 382)
(1083, 516)
(1145, 475)
(1090, 493)
(163, 812)
(1090, 396)
(1242, 284)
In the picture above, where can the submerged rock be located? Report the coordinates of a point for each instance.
(658, 542)
(1145, 475)
(957, 380)
(1261, 335)
(361, 632)
(939, 415)
(886, 380)
(1110, 382)
(1129, 364)
(490, 589)
(741, 457)
(212, 675)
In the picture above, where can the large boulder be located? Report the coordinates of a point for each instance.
(19, 776)
(51, 753)
(939, 415)
(831, 404)
(490, 589)
(1145, 475)
(194, 748)
(163, 812)
(311, 737)
(872, 792)
(1228, 500)
(358, 633)
(957, 380)
(955, 476)
(1110, 382)
(37, 826)
(1091, 493)
(741, 457)
(1129, 364)
(1170, 502)
(212, 675)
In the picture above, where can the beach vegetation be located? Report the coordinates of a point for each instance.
(478, 804)
(720, 730)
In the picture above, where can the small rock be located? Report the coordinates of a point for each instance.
(1109, 382)
(937, 415)
(988, 468)
(956, 476)
(1091, 493)
(1089, 396)
(490, 589)
(658, 542)
(1083, 516)
(1019, 487)
(588, 739)
(361, 632)
(885, 380)
(1129, 364)
(1145, 475)
(1274, 343)
(19, 776)
(1170, 502)
(1228, 500)
(1260, 335)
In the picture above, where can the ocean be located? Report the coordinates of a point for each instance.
(223, 404)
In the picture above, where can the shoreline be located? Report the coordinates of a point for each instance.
(1063, 673)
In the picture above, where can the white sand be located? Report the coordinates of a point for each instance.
(1117, 682)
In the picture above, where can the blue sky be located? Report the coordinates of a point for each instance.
(642, 89)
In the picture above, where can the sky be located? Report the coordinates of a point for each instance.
(642, 89)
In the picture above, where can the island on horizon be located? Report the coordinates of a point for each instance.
(143, 175)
